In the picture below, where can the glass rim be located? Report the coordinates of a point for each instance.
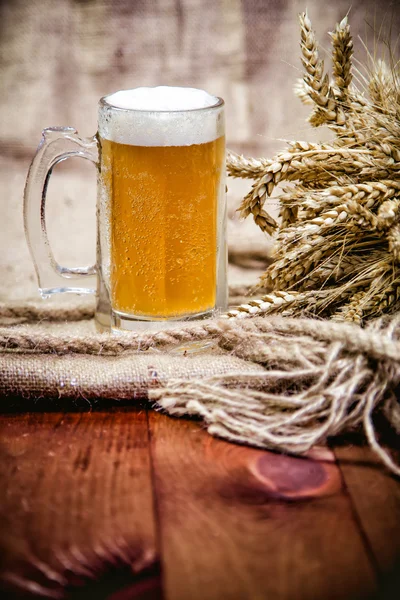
(103, 103)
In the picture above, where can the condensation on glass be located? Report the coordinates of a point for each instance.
(161, 208)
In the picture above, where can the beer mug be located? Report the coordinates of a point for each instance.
(161, 207)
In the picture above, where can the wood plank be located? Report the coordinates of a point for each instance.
(76, 506)
(239, 523)
(375, 495)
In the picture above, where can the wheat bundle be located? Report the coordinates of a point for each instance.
(337, 248)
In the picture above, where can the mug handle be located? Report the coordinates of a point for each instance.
(57, 144)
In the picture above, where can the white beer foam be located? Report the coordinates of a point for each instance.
(160, 116)
(162, 98)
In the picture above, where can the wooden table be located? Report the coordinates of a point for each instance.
(124, 503)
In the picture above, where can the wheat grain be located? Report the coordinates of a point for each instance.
(267, 303)
(301, 91)
(393, 237)
(352, 310)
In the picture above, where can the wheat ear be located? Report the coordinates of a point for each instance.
(341, 57)
(316, 81)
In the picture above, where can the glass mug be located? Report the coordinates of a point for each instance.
(161, 208)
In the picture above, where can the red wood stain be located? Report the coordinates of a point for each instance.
(291, 478)
(256, 476)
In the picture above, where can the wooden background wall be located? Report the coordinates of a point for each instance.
(58, 57)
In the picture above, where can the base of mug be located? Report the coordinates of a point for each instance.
(122, 322)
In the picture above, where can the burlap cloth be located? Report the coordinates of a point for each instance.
(89, 376)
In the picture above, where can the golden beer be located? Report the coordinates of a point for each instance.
(163, 203)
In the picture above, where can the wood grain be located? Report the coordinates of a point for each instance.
(77, 521)
(375, 496)
(238, 523)
(76, 512)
